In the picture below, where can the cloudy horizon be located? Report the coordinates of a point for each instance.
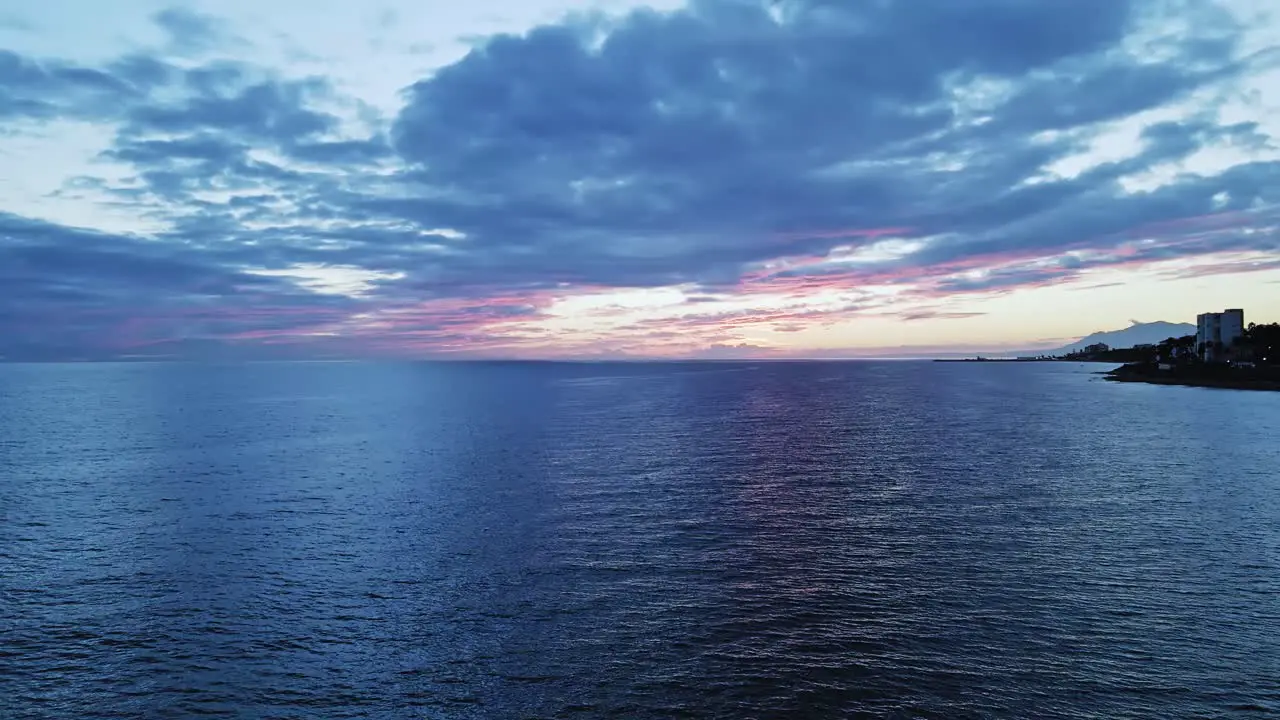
(557, 179)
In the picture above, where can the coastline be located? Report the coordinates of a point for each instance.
(1023, 360)
(1222, 378)
(1132, 374)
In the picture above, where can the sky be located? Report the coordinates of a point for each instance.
(579, 180)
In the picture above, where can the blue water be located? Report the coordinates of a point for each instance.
(331, 540)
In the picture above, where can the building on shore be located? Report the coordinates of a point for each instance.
(1216, 332)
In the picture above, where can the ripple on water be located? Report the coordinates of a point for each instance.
(753, 540)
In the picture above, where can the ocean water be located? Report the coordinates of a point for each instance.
(721, 540)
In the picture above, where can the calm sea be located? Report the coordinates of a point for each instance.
(504, 540)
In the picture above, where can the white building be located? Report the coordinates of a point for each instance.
(1216, 331)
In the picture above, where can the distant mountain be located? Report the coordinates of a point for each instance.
(1135, 334)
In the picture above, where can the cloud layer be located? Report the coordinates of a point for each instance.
(789, 163)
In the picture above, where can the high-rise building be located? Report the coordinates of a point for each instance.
(1215, 333)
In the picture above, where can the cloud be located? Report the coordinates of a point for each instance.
(100, 293)
(773, 151)
(930, 314)
(56, 89)
(194, 33)
(735, 351)
(1233, 267)
(704, 130)
(11, 21)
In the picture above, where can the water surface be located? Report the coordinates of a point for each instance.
(330, 540)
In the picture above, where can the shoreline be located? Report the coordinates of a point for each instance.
(1129, 374)
(1137, 373)
(1023, 360)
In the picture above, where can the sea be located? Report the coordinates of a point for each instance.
(634, 540)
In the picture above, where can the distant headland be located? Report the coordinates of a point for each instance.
(1220, 352)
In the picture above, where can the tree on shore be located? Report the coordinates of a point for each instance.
(1265, 340)
(1176, 349)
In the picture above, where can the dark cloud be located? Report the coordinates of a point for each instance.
(55, 254)
(53, 90)
(647, 150)
(341, 152)
(706, 130)
(1003, 280)
(62, 287)
(264, 111)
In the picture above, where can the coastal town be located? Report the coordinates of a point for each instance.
(1224, 352)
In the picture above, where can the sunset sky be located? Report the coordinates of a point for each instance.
(547, 178)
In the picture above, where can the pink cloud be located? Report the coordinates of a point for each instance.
(500, 321)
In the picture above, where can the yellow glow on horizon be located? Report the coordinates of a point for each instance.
(660, 321)
(331, 279)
